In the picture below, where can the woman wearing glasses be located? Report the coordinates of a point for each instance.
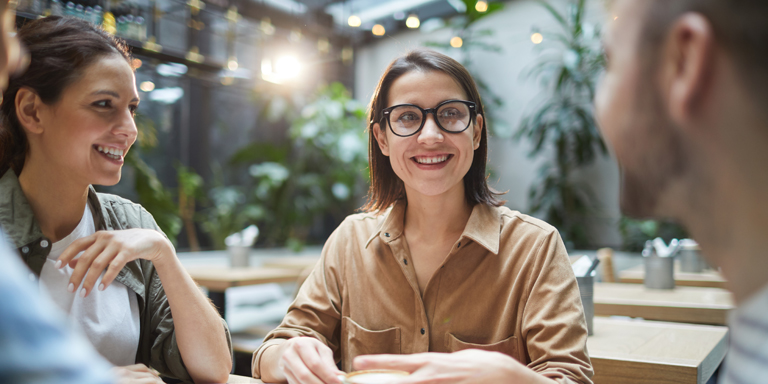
(436, 264)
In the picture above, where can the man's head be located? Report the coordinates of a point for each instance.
(676, 69)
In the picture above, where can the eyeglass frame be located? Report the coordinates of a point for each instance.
(425, 112)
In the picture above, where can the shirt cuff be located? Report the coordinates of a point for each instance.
(256, 362)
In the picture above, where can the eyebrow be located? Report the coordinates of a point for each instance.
(113, 94)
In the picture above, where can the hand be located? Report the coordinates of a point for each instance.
(136, 374)
(306, 360)
(110, 250)
(465, 367)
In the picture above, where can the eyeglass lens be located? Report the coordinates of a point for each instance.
(453, 117)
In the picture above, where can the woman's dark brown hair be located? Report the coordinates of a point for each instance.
(59, 48)
(386, 186)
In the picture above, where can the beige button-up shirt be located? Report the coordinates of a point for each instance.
(506, 286)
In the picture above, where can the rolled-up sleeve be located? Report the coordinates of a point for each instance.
(316, 312)
(554, 326)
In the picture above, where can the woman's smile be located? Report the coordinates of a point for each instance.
(113, 154)
(432, 161)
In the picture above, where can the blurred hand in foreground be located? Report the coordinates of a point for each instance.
(136, 374)
(465, 367)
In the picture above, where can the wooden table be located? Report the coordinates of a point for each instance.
(218, 279)
(683, 304)
(236, 379)
(294, 262)
(633, 352)
(707, 278)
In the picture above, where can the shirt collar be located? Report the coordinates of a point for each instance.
(17, 218)
(392, 226)
(483, 226)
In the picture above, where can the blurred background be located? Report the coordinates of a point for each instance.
(254, 111)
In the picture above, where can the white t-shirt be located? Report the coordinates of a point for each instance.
(747, 358)
(109, 318)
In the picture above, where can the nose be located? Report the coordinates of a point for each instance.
(430, 133)
(126, 126)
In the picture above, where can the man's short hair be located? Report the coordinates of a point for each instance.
(740, 27)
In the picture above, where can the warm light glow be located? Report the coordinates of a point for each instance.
(378, 30)
(136, 63)
(266, 26)
(232, 64)
(354, 21)
(412, 21)
(615, 17)
(323, 45)
(537, 38)
(481, 6)
(284, 69)
(456, 42)
(147, 86)
(227, 80)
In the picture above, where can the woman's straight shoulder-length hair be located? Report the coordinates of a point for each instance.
(386, 187)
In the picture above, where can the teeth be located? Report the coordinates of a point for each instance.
(113, 152)
(431, 160)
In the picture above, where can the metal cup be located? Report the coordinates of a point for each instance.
(659, 272)
(238, 256)
(691, 261)
(586, 291)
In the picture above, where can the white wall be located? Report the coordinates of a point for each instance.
(512, 169)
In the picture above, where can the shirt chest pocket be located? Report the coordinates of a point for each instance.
(507, 346)
(357, 340)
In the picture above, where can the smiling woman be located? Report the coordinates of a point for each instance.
(436, 264)
(67, 123)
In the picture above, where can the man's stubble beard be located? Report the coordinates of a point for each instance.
(658, 160)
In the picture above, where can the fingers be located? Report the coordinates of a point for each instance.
(76, 247)
(114, 267)
(83, 264)
(308, 360)
(102, 261)
(408, 363)
(136, 374)
(322, 367)
(296, 371)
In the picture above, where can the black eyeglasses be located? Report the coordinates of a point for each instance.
(452, 116)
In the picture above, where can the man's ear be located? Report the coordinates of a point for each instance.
(688, 65)
(381, 139)
(28, 105)
(477, 131)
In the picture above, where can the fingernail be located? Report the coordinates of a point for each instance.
(82, 292)
(58, 264)
(71, 287)
(101, 287)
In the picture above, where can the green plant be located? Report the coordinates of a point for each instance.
(464, 26)
(153, 196)
(563, 121)
(320, 173)
(636, 232)
(190, 190)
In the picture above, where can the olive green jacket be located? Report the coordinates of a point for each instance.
(157, 342)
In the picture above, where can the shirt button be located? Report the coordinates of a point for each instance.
(405, 261)
(25, 249)
(31, 277)
(459, 245)
(423, 331)
(44, 243)
(386, 234)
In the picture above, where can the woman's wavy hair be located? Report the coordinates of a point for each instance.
(59, 49)
(386, 187)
